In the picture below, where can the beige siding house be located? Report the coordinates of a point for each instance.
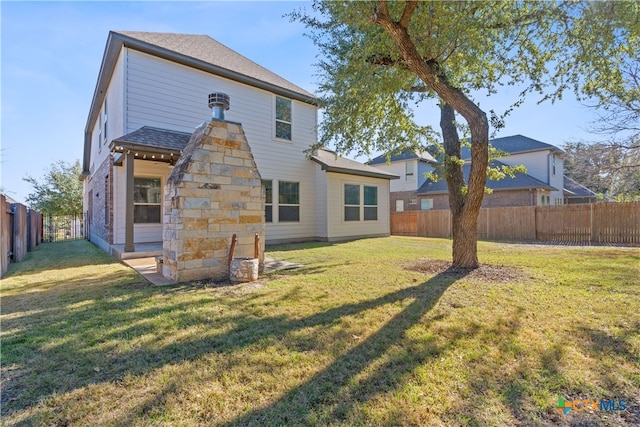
(152, 93)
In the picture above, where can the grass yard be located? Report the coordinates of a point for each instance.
(371, 332)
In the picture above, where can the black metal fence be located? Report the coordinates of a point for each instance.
(57, 228)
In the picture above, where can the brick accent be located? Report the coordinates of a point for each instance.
(496, 199)
(407, 197)
(100, 187)
(213, 192)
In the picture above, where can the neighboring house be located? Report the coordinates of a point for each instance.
(574, 192)
(543, 183)
(411, 167)
(152, 93)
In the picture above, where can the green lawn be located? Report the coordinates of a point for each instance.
(371, 332)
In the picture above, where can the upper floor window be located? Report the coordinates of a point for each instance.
(104, 122)
(283, 118)
(553, 164)
(408, 171)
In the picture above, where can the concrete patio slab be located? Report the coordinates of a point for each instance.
(147, 268)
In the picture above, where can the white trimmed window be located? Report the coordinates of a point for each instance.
(147, 200)
(399, 205)
(288, 201)
(283, 118)
(360, 201)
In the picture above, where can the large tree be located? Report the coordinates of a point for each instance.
(59, 191)
(609, 163)
(380, 57)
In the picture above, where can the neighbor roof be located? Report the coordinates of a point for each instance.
(575, 189)
(403, 155)
(515, 144)
(195, 51)
(520, 181)
(331, 162)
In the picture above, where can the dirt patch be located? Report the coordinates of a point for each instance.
(484, 273)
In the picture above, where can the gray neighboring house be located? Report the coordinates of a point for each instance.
(543, 184)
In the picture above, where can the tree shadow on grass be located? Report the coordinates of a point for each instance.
(337, 389)
(84, 338)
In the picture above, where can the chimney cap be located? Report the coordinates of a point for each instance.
(219, 99)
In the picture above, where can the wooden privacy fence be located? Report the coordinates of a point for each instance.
(598, 223)
(20, 232)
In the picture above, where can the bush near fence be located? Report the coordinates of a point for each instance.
(598, 223)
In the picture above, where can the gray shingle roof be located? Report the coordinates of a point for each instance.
(403, 155)
(514, 144)
(331, 162)
(207, 50)
(518, 182)
(575, 189)
(154, 138)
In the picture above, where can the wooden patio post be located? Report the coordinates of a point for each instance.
(128, 230)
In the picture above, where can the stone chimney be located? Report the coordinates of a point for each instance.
(213, 192)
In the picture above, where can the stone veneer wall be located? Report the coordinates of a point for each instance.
(213, 192)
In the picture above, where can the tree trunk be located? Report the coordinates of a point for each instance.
(464, 206)
(464, 217)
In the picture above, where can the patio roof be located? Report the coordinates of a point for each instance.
(151, 143)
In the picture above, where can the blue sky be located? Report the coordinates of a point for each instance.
(51, 53)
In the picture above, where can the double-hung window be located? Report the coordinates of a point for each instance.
(147, 200)
(283, 118)
(288, 201)
(351, 202)
(360, 201)
(370, 203)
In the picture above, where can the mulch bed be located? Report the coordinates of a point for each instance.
(484, 273)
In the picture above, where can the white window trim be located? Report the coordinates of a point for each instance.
(361, 205)
(275, 214)
(146, 224)
(274, 120)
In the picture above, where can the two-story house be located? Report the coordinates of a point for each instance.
(542, 184)
(152, 93)
(411, 167)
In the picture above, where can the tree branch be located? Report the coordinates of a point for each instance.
(409, 8)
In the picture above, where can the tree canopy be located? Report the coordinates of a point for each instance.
(59, 191)
(381, 58)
